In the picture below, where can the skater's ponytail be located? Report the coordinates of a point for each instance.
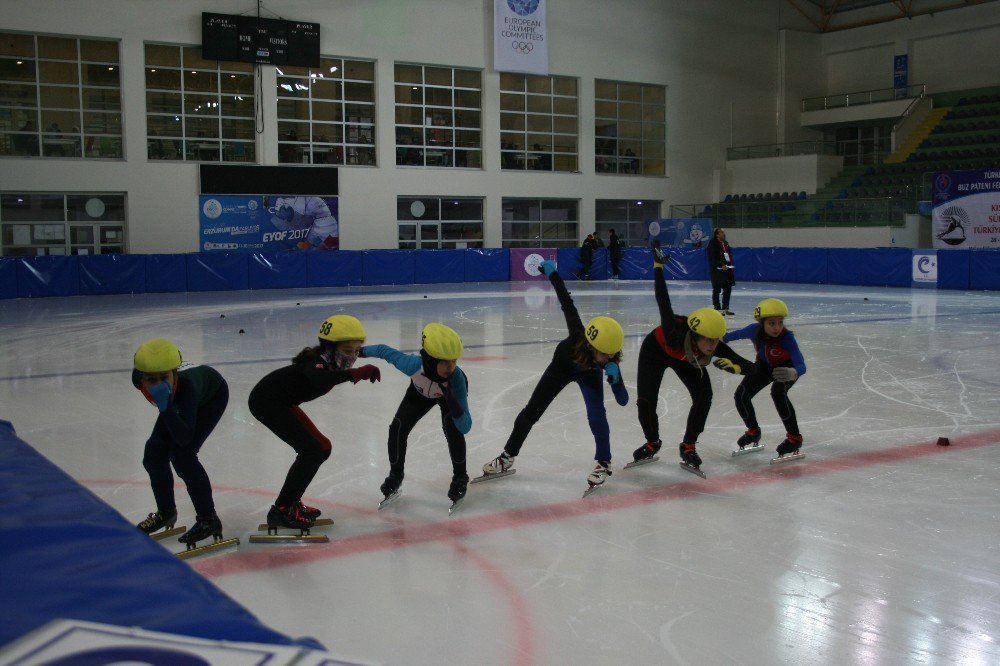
(583, 356)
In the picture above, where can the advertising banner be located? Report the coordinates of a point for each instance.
(966, 211)
(524, 263)
(520, 36)
(689, 233)
(245, 223)
(925, 270)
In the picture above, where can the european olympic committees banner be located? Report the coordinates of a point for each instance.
(966, 211)
(254, 223)
(520, 36)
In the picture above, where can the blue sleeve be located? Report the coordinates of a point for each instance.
(621, 393)
(745, 333)
(408, 364)
(460, 389)
(792, 345)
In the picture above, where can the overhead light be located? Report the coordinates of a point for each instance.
(278, 70)
(333, 69)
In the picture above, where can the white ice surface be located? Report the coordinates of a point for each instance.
(879, 548)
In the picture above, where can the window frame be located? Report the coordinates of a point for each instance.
(634, 228)
(630, 128)
(407, 219)
(544, 234)
(524, 99)
(46, 223)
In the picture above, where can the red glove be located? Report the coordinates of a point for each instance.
(369, 372)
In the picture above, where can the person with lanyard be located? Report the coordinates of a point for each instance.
(590, 352)
(720, 266)
(686, 345)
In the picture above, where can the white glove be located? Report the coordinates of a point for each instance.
(785, 374)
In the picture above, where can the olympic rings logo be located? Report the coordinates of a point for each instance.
(522, 47)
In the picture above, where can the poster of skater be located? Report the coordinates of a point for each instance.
(966, 212)
(683, 232)
(241, 223)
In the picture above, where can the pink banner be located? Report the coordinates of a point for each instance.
(524, 263)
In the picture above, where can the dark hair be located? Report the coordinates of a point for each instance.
(715, 234)
(583, 356)
(309, 353)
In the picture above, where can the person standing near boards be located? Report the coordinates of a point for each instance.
(720, 266)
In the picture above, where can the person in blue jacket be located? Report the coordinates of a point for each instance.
(435, 379)
(779, 361)
(584, 357)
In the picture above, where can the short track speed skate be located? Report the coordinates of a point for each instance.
(160, 525)
(644, 455)
(290, 518)
(690, 460)
(204, 527)
(457, 490)
(499, 467)
(597, 478)
(748, 443)
(391, 489)
(789, 450)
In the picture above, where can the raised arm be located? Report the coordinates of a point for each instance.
(662, 298)
(408, 364)
(573, 321)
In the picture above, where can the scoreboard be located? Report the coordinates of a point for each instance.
(259, 40)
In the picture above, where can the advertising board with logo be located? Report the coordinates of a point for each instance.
(267, 223)
(520, 36)
(693, 233)
(925, 268)
(966, 209)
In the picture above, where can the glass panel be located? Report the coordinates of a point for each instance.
(539, 104)
(365, 156)
(201, 150)
(467, 118)
(55, 123)
(103, 207)
(409, 136)
(59, 97)
(520, 209)
(467, 78)
(605, 89)
(328, 133)
(81, 235)
(512, 121)
(101, 75)
(469, 99)
(32, 207)
(294, 88)
(629, 111)
(329, 111)
(327, 89)
(606, 110)
(162, 55)
(629, 130)
(238, 151)
(166, 79)
(103, 146)
(564, 125)
(237, 84)
(462, 209)
(193, 59)
(539, 84)
(438, 96)
(654, 95)
(564, 144)
(654, 132)
(19, 144)
(292, 109)
(409, 115)
(12, 44)
(13, 94)
(512, 82)
(564, 86)
(195, 127)
(565, 163)
(202, 80)
(628, 92)
(235, 128)
(57, 72)
(102, 99)
(564, 105)
(468, 139)
(472, 159)
(511, 102)
(58, 48)
(359, 92)
(359, 70)
(201, 105)
(17, 69)
(102, 123)
(539, 123)
(408, 74)
(437, 76)
(61, 146)
(163, 125)
(407, 232)
(363, 113)
(409, 94)
(99, 51)
(653, 114)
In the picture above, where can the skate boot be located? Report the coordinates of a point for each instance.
(789, 449)
(597, 478)
(204, 527)
(310, 512)
(158, 520)
(287, 516)
(645, 454)
(390, 489)
(748, 442)
(690, 460)
(459, 484)
(502, 465)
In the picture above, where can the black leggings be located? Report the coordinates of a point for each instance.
(161, 452)
(653, 363)
(725, 291)
(752, 385)
(413, 408)
(295, 429)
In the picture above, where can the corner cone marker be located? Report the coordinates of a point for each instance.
(943, 441)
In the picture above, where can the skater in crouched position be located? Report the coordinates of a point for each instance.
(435, 380)
(190, 402)
(584, 357)
(275, 401)
(686, 345)
(779, 361)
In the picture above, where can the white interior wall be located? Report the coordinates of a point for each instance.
(718, 61)
(796, 173)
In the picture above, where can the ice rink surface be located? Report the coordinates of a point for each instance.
(880, 547)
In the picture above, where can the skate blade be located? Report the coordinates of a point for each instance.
(788, 457)
(454, 506)
(320, 522)
(388, 500)
(591, 489)
(491, 477)
(637, 463)
(693, 469)
(748, 449)
(208, 548)
(304, 537)
(166, 534)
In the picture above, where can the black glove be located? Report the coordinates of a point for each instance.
(454, 407)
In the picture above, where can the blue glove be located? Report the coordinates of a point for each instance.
(161, 395)
(548, 267)
(613, 372)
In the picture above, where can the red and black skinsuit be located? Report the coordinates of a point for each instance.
(275, 401)
(672, 345)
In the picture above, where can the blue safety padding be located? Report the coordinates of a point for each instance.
(341, 268)
(984, 268)
(8, 277)
(811, 265)
(636, 264)
(743, 265)
(843, 265)
(276, 270)
(388, 267)
(221, 271)
(48, 276)
(112, 274)
(66, 554)
(686, 263)
(166, 273)
(431, 266)
(773, 264)
(886, 267)
(487, 265)
(953, 269)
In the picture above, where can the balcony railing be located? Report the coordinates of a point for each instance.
(809, 213)
(782, 150)
(841, 100)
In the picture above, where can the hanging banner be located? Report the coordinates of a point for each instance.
(966, 211)
(241, 223)
(689, 232)
(520, 36)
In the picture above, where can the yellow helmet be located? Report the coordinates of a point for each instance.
(441, 342)
(707, 323)
(605, 335)
(770, 307)
(341, 327)
(157, 355)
